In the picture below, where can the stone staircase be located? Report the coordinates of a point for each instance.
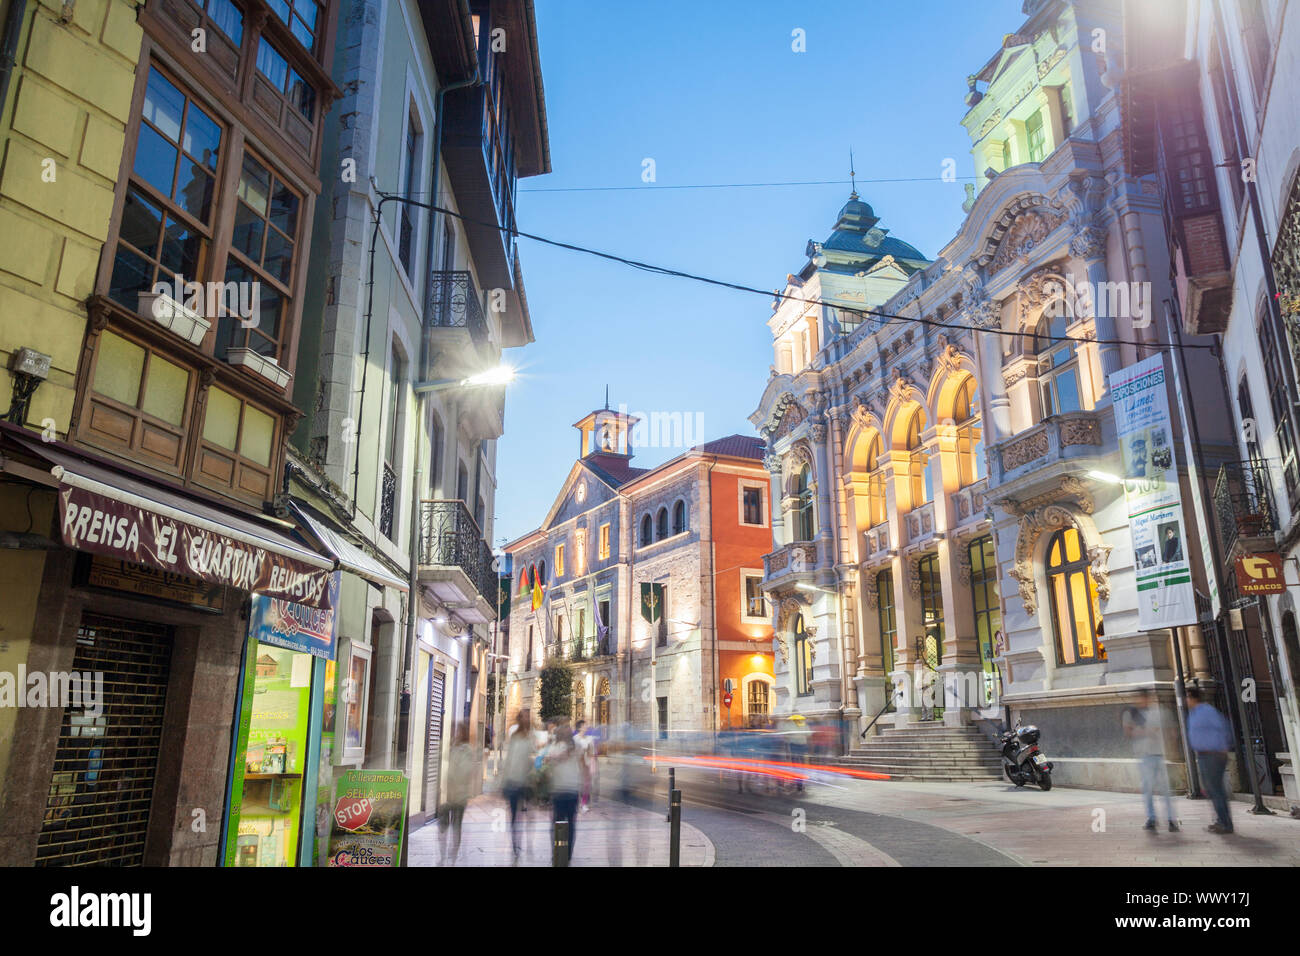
(928, 753)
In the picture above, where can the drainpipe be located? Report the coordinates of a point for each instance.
(421, 398)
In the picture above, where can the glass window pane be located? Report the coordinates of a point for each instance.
(131, 276)
(164, 396)
(306, 9)
(1072, 551)
(259, 428)
(181, 250)
(281, 8)
(221, 424)
(1064, 629)
(1067, 391)
(1054, 559)
(271, 64)
(228, 19)
(1082, 623)
(164, 105)
(279, 256)
(202, 137)
(301, 94)
(118, 368)
(194, 190)
(255, 185)
(155, 160)
(141, 223)
(303, 33)
(247, 234)
(284, 210)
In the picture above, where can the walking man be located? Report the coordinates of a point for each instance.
(1209, 736)
(1142, 725)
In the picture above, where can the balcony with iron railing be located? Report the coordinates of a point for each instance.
(1243, 503)
(457, 321)
(456, 563)
(790, 564)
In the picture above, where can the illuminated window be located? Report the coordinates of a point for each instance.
(803, 659)
(922, 476)
(754, 608)
(1076, 617)
(803, 525)
(875, 485)
(604, 542)
(887, 616)
(1037, 137)
(970, 443)
(1058, 367)
(559, 561)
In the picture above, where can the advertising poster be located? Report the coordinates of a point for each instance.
(296, 627)
(369, 819)
(1155, 512)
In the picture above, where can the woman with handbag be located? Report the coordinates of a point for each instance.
(518, 773)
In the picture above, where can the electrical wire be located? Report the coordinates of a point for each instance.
(647, 187)
(872, 313)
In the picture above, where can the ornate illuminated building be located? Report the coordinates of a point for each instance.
(943, 522)
(648, 578)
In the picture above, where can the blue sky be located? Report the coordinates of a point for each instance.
(713, 93)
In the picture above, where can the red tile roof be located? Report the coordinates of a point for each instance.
(735, 446)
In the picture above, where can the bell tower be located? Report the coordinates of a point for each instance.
(606, 432)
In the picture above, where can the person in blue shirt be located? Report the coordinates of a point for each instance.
(1209, 735)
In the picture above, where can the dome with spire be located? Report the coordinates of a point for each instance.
(856, 243)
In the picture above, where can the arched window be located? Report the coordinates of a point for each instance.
(803, 660)
(970, 433)
(647, 531)
(1076, 618)
(1058, 367)
(661, 524)
(875, 485)
(679, 517)
(803, 505)
(922, 477)
(541, 573)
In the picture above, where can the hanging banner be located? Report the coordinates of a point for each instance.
(369, 821)
(1166, 597)
(652, 601)
(297, 627)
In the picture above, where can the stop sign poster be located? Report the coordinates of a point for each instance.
(369, 818)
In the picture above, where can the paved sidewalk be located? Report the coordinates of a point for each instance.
(1070, 827)
(610, 834)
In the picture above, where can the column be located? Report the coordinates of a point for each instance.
(825, 517)
(1089, 244)
(776, 499)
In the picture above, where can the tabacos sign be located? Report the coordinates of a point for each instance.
(1260, 574)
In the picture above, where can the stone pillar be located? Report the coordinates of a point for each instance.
(996, 410)
(1089, 244)
(825, 516)
(1050, 105)
(776, 499)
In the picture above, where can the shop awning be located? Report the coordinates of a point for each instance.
(106, 512)
(350, 557)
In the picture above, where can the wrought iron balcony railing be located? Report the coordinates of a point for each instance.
(450, 537)
(387, 502)
(1243, 501)
(456, 305)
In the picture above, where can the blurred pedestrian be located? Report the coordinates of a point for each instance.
(565, 780)
(518, 770)
(585, 746)
(1209, 735)
(461, 767)
(1143, 726)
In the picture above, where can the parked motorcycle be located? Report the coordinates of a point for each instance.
(1022, 760)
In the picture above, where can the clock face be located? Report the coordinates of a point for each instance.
(582, 491)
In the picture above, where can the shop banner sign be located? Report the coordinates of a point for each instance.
(1166, 597)
(101, 525)
(1260, 574)
(297, 627)
(369, 821)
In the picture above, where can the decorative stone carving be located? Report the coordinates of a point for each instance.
(819, 432)
(792, 417)
(1098, 564)
(984, 312)
(1039, 290)
(913, 575)
(1024, 450)
(1088, 243)
(773, 465)
(1023, 574)
(871, 591)
(1080, 431)
(1028, 230)
(1049, 214)
(963, 564)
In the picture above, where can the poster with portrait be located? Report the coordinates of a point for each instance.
(1166, 597)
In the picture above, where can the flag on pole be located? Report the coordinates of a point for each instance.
(537, 590)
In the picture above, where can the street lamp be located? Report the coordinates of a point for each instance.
(500, 375)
